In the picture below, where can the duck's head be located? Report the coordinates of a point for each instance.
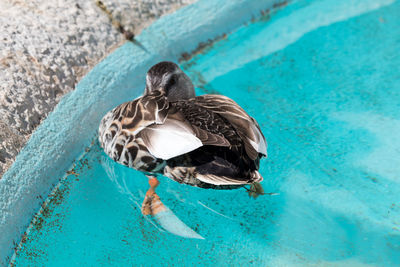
(168, 77)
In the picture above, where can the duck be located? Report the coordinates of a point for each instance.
(205, 141)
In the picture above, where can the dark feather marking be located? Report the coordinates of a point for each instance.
(219, 166)
(147, 159)
(113, 134)
(119, 149)
(142, 147)
(237, 117)
(207, 121)
(151, 166)
(133, 150)
(126, 157)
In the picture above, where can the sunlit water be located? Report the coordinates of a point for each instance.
(323, 81)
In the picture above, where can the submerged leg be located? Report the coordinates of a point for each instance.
(256, 190)
(152, 203)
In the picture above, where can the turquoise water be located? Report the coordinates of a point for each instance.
(323, 83)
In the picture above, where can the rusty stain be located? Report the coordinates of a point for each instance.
(16, 246)
(72, 172)
(117, 24)
(280, 4)
(373, 179)
(55, 199)
(204, 46)
(201, 48)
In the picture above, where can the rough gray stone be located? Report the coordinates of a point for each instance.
(46, 47)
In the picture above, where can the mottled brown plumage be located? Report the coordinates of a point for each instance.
(207, 141)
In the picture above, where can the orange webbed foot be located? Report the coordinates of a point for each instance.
(152, 203)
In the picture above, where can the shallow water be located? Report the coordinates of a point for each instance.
(323, 83)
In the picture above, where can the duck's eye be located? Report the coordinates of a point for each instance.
(171, 82)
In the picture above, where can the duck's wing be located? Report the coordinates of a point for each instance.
(246, 127)
(163, 130)
(177, 136)
(119, 127)
(142, 112)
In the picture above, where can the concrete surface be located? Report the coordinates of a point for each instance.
(46, 47)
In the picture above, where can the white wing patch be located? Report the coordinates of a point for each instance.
(171, 139)
(219, 180)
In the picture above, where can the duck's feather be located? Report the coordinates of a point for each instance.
(170, 139)
(246, 127)
(209, 135)
(119, 129)
(226, 180)
(177, 136)
(190, 176)
(142, 112)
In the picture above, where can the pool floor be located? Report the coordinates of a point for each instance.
(328, 101)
